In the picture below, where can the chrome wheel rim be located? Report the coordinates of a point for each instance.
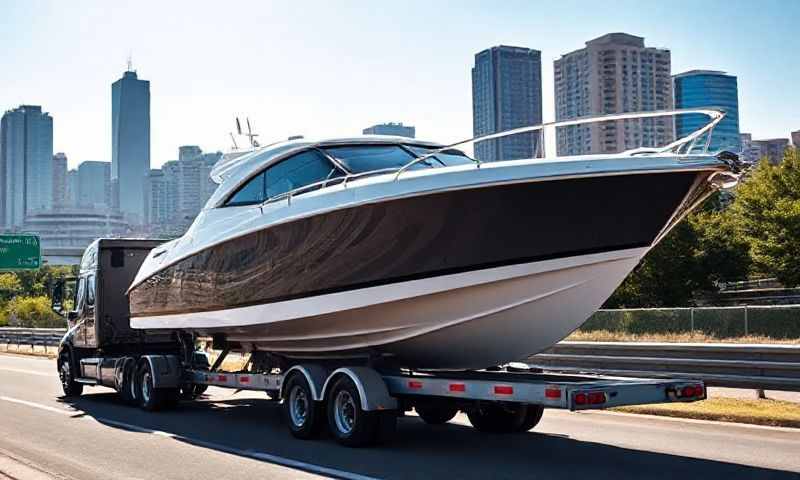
(345, 412)
(146, 387)
(65, 374)
(298, 406)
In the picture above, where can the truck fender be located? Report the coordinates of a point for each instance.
(315, 376)
(166, 370)
(371, 387)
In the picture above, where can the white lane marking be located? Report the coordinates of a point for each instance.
(62, 411)
(27, 372)
(277, 460)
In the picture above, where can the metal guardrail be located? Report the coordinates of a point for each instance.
(47, 337)
(768, 367)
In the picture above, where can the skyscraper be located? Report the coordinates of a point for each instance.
(507, 94)
(26, 164)
(396, 129)
(94, 185)
(59, 180)
(130, 142)
(614, 73)
(709, 88)
(796, 139)
(772, 148)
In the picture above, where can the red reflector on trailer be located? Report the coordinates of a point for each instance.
(580, 399)
(222, 378)
(244, 379)
(687, 391)
(699, 391)
(597, 398)
(414, 384)
(503, 390)
(552, 393)
(458, 387)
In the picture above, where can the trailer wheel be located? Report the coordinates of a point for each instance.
(532, 417)
(70, 387)
(496, 419)
(348, 422)
(150, 398)
(303, 414)
(436, 415)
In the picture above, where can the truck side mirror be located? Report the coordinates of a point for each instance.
(57, 302)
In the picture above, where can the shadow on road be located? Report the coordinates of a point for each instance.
(418, 450)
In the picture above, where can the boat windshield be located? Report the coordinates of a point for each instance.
(447, 157)
(375, 158)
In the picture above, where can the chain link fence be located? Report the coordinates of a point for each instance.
(775, 321)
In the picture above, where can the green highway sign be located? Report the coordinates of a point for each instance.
(20, 252)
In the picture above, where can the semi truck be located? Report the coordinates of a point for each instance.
(357, 400)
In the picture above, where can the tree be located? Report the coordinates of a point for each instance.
(10, 286)
(767, 212)
(32, 312)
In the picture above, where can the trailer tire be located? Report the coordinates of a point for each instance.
(437, 415)
(66, 374)
(302, 413)
(351, 425)
(532, 417)
(150, 398)
(493, 418)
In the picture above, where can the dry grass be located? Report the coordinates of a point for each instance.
(687, 337)
(774, 413)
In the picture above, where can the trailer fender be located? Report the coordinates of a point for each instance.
(166, 370)
(315, 376)
(371, 387)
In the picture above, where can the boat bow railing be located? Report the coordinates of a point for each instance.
(683, 145)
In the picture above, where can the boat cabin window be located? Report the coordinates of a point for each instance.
(297, 171)
(447, 157)
(368, 158)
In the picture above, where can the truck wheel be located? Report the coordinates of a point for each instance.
(127, 385)
(532, 417)
(496, 419)
(348, 422)
(150, 398)
(302, 413)
(66, 375)
(436, 415)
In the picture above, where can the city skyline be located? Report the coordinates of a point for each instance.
(201, 82)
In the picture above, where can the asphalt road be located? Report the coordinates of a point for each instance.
(228, 435)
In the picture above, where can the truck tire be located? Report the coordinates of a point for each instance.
(302, 413)
(436, 415)
(350, 425)
(532, 417)
(150, 398)
(496, 419)
(66, 374)
(127, 387)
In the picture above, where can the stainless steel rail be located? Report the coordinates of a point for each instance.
(771, 367)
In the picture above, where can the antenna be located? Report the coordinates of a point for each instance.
(252, 136)
(130, 62)
(238, 126)
(233, 139)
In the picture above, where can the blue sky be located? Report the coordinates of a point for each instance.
(333, 68)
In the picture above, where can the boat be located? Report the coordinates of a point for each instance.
(412, 252)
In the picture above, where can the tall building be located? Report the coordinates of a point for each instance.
(189, 152)
(708, 88)
(773, 149)
(94, 185)
(750, 153)
(507, 94)
(130, 142)
(59, 180)
(71, 196)
(26, 164)
(614, 73)
(796, 139)
(395, 129)
(177, 192)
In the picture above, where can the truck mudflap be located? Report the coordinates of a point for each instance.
(167, 371)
